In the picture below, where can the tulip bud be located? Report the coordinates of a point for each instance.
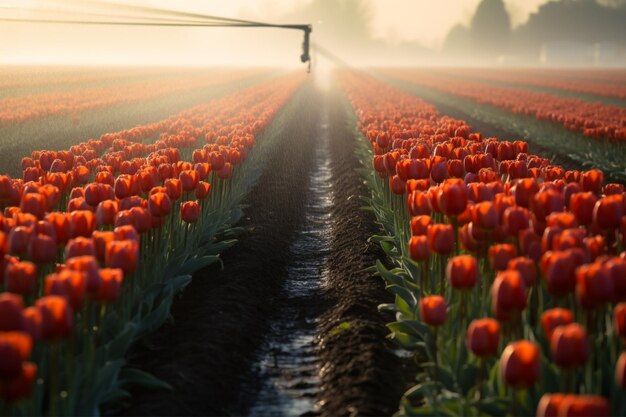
(419, 249)
(553, 318)
(585, 406)
(500, 255)
(420, 225)
(508, 295)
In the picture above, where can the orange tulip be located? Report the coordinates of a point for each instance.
(189, 179)
(100, 239)
(549, 404)
(79, 247)
(453, 197)
(89, 266)
(592, 180)
(419, 249)
(420, 225)
(106, 212)
(174, 188)
(82, 223)
(34, 204)
(485, 215)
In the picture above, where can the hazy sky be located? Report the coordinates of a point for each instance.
(423, 21)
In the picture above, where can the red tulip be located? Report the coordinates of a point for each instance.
(617, 269)
(189, 179)
(526, 267)
(524, 190)
(594, 285)
(123, 186)
(82, 223)
(550, 404)
(57, 318)
(21, 278)
(89, 266)
(592, 180)
(619, 316)
(111, 284)
(553, 318)
(202, 190)
(68, 284)
(106, 212)
(483, 337)
(34, 204)
(500, 255)
(515, 219)
(420, 225)
(32, 322)
(190, 211)
(15, 348)
(123, 254)
(441, 238)
(568, 346)
(100, 239)
(584, 406)
(79, 247)
(520, 364)
(453, 197)
(608, 212)
(20, 386)
(11, 308)
(559, 272)
(508, 295)
(19, 238)
(396, 185)
(419, 203)
(419, 249)
(42, 249)
(462, 271)
(159, 204)
(485, 215)
(61, 224)
(433, 310)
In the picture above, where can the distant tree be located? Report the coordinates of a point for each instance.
(490, 28)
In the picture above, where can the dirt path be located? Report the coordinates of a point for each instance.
(290, 326)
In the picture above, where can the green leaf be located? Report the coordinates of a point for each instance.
(467, 377)
(389, 277)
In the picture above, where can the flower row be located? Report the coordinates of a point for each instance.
(509, 281)
(96, 241)
(594, 120)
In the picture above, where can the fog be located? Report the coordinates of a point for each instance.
(517, 33)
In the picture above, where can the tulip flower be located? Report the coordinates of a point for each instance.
(15, 348)
(433, 310)
(594, 285)
(483, 337)
(453, 197)
(190, 211)
(520, 364)
(110, 285)
(123, 254)
(549, 404)
(419, 249)
(585, 406)
(441, 238)
(462, 272)
(619, 316)
(568, 345)
(500, 255)
(57, 317)
(35, 204)
(159, 204)
(508, 295)
(19, 387)
(608, 212)
(21, 278)
(71, 285)
(420, 225)
(11, 308)
(553, 318)
(79, 247)
(42, 249)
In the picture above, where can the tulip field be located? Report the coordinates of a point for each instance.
(146, 256)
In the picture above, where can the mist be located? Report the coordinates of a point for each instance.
(578, 33)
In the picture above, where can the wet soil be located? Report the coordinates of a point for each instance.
(290, 325)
